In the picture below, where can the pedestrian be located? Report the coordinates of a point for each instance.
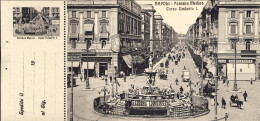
(81, 77)
(245, 96)
(172, 70)
(226, 116)
(178, 95)
(181, 89)
(251, 81)
(124, 78)
(236, 97)
(212, 101)
(223, 103)
(227, 82)
(110, 79)
(106, 80)
(224, 80)
(176, 81)
(167, 71)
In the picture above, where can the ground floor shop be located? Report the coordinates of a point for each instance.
(94, 64)
(246, 69)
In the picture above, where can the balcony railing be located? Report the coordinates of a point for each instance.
(248, 53)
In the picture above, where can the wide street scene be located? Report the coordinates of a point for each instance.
(36, 22)
(83, 106)
(174, 60)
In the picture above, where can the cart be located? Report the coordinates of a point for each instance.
(185, 75)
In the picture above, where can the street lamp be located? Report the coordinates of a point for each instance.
(216, 77)
(235, 76)
(73, 43)
(202, 68)
(87, 78)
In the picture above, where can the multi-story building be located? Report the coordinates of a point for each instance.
(158, 34)
(111, 32)
(17, 14)
(231, 25)
(238, 29)
(146, 17)
(28, 14)
(150, 9)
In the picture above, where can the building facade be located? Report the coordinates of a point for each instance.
(232, 25)
(103, 34)
(238, 29)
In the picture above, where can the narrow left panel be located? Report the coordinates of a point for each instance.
(33, 61)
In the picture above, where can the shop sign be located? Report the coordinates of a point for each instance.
(222, 61)
(104, 54)
(241, 61)
(96, 59)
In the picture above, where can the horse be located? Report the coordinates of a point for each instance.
(239, 104)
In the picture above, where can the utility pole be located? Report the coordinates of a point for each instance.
(71, 80)
(216, 80)
(202, 58)
(235, 78)
(87, 78)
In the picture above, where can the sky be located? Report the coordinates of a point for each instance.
(180, 20)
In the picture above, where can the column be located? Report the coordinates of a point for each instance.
(96, 25)
(81, 22)
(226, 20)
(256, 24)
(240, 26)
(240, 23)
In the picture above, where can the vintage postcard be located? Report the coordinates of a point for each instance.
(130, 60)
(32, 61)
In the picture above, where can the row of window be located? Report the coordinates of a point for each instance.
(74, 27)
(248, 28)
(247, 44)
(247, 15)
(88, 14)
(89, 42)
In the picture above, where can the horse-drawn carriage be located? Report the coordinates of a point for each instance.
(235, 103)
(208, 90)
(162, 74)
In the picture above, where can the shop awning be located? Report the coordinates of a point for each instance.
(91, 65)
(88, 27)
(75, 64)
(128, 60)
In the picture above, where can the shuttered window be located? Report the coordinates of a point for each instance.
(233, 14)
(103, 14)
(73, 14)
(248, 29)
(233, 29)
(103, 28)
(73, 28)
(88, 14)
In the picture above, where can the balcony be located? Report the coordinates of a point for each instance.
(248, 53)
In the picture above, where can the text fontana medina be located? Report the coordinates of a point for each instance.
(179, 3)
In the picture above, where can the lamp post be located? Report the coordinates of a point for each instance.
(216, 77)
(235, 76)
(202, 66)
(71, 102)
(87, 78)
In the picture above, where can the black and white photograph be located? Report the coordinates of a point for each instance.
(130, 60)
(163, 60)
(36, 21)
